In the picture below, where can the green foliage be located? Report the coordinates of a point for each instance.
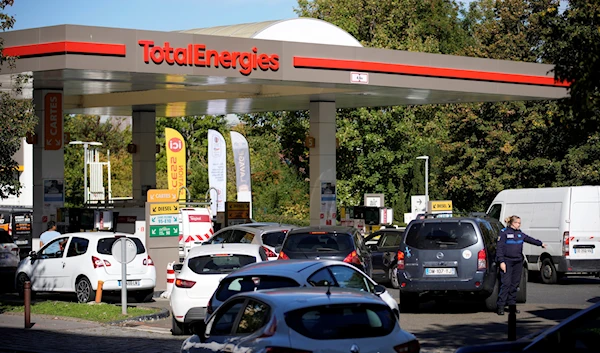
(17, 117)
(573, 45)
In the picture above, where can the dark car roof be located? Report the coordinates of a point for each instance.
(329, 229)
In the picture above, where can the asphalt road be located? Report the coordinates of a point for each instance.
(443, 328)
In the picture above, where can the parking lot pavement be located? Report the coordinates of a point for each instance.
(50, 335)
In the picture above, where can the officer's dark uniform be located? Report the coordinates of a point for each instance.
(510, 251)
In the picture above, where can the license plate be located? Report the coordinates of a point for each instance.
(440, 271)
(583, 250)
(131, 283)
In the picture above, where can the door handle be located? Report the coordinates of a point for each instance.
(63, 264)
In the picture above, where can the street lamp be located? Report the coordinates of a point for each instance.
(426, 158)
(85, 164)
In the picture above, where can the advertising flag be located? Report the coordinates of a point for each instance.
(217, 169)
(241, 157)
(176, 165)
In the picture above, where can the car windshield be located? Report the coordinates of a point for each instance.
(345, 321)
(441, 235)
(220, 263)
(318, 242)
(235, 285)
(105, 245)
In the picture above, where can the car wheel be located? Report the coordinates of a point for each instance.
(177, 328)
(21, 279)
(409, 302)
(393, 275)
(84, 290)
(143, 295)
(548, 272)
(522, 290)
(491, 302)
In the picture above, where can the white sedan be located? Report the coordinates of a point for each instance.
(301, 320)
(202, 270)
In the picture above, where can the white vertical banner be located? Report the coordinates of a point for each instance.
(241, 156)
(217, 170)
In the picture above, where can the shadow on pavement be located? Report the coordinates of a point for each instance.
(554, 314)
(40, 341)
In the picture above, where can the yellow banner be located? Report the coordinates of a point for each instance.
(176, 166)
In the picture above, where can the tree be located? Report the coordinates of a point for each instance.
(17, 117)
(573, 45)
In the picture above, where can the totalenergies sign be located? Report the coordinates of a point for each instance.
(176, 165)
(199, 55)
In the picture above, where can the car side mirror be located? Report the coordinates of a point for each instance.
(33, 254)
(379, 289)
(199, 328)
(177, 267)
(372, 247)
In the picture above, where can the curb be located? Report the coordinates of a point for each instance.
(164, 313)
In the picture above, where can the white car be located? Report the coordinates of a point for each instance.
(299, 273)
(9, 257)
(87, 260)
(203, 269)
(301, 320)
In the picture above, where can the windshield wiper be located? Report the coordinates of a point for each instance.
(325, 249)
(441, 242)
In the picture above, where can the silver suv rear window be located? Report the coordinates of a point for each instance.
(441, 235)
(344, 321)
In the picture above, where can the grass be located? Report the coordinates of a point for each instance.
(98, 312)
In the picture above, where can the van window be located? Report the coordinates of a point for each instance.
(105, 245)
(495, 211)
(439, 235)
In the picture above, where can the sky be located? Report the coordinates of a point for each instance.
(157, 15)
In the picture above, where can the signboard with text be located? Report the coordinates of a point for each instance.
(164, 208)
(237, 212)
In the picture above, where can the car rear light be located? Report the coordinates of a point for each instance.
(269, 252)
(209, 309)
(270, 330)
(408, 347)
(353, 258)
(400, 257)
(97, 262)
(282, 256)
(182, 283)
(150, 262)
(566, 243)
(15, 250)
(285, 350)
(481, 260)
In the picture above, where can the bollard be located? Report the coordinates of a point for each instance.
(512, 322)
(170, 280)
(27, 304)
(99, 292)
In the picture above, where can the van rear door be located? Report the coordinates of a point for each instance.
(584, 235)
(441, 249)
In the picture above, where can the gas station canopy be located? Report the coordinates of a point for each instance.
(268, 66)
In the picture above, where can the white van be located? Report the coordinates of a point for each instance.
(567, 219)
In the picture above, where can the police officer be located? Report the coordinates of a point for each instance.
(510, 255)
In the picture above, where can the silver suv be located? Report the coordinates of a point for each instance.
(446, 258)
